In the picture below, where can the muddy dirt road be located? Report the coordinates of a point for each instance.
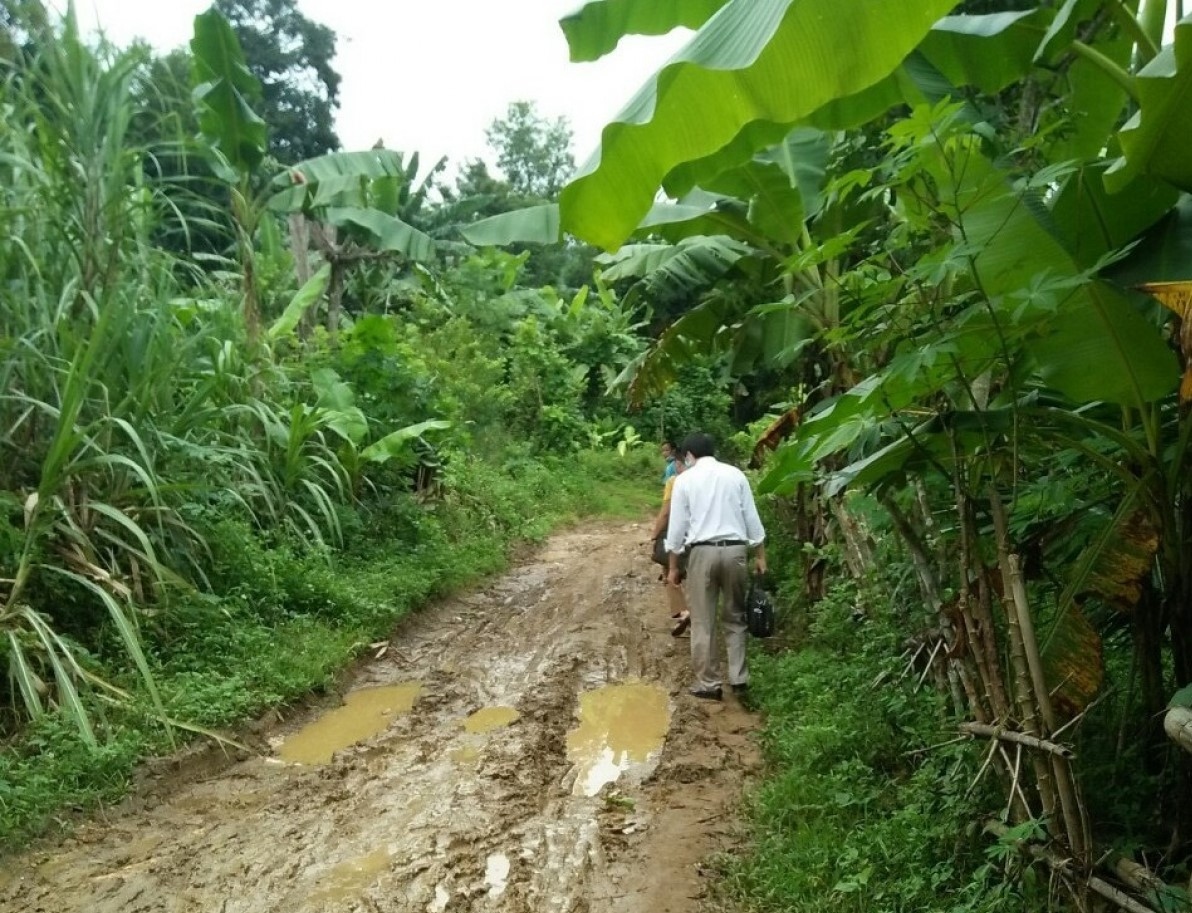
(526, 747)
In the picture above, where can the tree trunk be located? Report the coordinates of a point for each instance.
(857, 556)
(335, 292)
(300, 250)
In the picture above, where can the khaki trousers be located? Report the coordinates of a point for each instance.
(712, 572)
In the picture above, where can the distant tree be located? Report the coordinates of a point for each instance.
(534, 156)
(291, 56)
(21, 22)
(533, 152)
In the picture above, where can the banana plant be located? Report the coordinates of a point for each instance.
(336, 410)
(355, 198)
(1001, 318)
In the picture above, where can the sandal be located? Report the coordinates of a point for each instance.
(681, 625)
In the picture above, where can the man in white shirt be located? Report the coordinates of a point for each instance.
(713, 518)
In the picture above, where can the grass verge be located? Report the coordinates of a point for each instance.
(856, 812)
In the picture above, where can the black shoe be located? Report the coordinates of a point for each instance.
(708, 694)
(741, 689)
(680, 626)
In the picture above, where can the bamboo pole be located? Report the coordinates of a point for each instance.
(960, 688)
(977, 615)
(1021, 682)
(1118, 896)
(1178, 726)
(1009, 735)
(1063, 866)
(983, 611)
(1030, 643)
(1025, 650)
(986, 668)
(1139, 878)
(854, 551)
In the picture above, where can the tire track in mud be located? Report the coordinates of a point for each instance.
(426, 816)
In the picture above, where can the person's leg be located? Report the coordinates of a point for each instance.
(701, 602)
(676, 602)
(735, 576)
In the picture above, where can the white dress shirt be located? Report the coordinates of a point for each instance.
(711, 501)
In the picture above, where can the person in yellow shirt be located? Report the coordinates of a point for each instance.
(676, 600)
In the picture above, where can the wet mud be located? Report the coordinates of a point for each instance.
(526, 747)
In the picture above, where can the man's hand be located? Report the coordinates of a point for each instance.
(672, 577)
(759, 564)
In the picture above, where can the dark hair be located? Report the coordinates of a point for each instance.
(699, 445)
(669, 443)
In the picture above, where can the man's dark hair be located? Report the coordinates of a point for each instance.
(699, 445)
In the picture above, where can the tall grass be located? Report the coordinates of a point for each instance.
(129, 406)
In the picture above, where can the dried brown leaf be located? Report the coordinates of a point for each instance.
(1073, 662)
(1122, 567)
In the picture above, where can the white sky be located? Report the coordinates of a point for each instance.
(431, 75)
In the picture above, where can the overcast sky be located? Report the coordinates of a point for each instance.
(430, 75)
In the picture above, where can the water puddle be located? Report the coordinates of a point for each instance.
(496, 874)
(364, 713)
(348, 880)
(465, 756)
(489, 718)
(620, 727)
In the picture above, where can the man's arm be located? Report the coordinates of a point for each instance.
(755, 533)
(759, 558)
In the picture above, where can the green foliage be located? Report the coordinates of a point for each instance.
(699, 400)
(745, 64)
(143, 408)
(291, 56)
(597, 28)
(1154, 140)
(951, 322)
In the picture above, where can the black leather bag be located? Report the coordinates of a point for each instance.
(759, 609)
(660, 556)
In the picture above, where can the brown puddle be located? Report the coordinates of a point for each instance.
(620, 727)
(364, 713)
(489, 718)
(467, 755)
(348, 880)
